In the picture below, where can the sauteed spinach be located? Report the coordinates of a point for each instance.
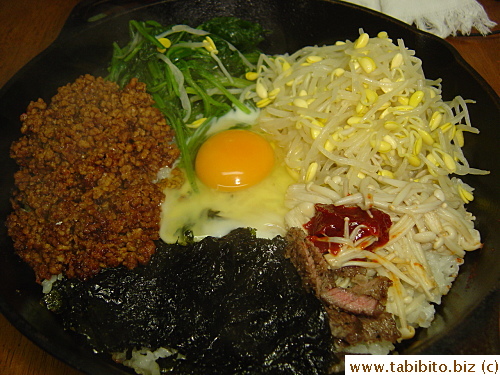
(193, 74)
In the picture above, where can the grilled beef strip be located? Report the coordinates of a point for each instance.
(356, 314)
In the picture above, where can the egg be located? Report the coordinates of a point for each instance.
(234, 159)
(240, 183)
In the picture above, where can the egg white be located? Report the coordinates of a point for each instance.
(214, 213)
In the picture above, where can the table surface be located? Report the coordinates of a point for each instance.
(25, 34)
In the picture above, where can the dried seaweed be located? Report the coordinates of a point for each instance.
(228, 305)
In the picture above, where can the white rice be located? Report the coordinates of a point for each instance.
(143, 361)
(47, 283)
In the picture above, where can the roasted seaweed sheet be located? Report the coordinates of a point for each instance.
(230, 305)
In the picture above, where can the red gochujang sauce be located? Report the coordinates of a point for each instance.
(329, 221)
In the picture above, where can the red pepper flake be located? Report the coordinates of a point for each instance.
(330, 220)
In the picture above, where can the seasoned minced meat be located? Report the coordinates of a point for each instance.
(85, 196)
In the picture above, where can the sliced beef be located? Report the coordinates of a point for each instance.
(345, 299)
(356, 314)
(309, 262)
(351, 329)
(350, 271)
(375, 288)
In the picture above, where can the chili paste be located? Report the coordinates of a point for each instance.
(330, 221)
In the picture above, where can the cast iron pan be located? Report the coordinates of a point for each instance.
(467, 320)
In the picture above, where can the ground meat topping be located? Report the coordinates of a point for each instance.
(85, 196)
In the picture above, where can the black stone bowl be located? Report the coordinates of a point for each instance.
(467, 320)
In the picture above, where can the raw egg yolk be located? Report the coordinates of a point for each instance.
(234, 159)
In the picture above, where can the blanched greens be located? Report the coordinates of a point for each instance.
(193, 74)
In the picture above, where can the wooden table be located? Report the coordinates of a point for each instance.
(29, 26)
